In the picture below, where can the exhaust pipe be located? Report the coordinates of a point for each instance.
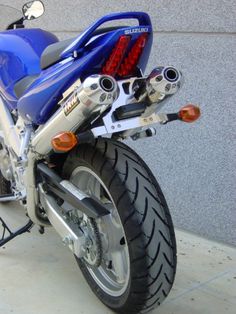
(162, 82)
(95, 94)
(171, 74)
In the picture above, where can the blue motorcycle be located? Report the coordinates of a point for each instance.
(65, 109)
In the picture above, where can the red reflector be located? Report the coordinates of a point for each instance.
(131, 61)
(112, 64)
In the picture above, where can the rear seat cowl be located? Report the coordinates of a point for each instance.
(52, 54)
(22, 85)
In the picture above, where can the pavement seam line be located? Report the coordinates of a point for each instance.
(196, 286)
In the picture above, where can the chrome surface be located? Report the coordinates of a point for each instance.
(135, 124)
(25, 141)
(8, 199)
(32, 195)
(113, 274)
(163, 81)
(15, 139)
(33, 10)
(86, 99)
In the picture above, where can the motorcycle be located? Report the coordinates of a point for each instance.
(65, 109)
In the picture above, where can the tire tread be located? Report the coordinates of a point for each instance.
(146, 219)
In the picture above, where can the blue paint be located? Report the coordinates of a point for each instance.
(143, 18)
(20, 52)
(22, 58)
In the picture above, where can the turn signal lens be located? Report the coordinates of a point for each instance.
(189, 113)
(64, 142)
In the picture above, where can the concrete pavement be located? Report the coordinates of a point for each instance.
(39, 275)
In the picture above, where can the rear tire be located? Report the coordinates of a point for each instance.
(146, 221)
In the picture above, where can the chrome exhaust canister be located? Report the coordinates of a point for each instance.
(95, 94)
(162, 82)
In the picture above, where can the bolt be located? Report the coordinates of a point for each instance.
(83, 223)
(41, 230)
(89, 243)
(94, 86)
(103, 97)
(67, 240)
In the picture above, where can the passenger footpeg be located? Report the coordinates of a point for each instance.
(8, 235)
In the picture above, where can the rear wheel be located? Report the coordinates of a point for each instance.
(130, 262)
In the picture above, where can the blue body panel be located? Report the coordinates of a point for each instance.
(20, 52)
(39, 102)
(143, 19)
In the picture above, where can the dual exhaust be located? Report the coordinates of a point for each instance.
(94, 96)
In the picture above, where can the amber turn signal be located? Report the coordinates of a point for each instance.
(189, 113)
(64, 142)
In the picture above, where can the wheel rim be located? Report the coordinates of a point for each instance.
(112, 276)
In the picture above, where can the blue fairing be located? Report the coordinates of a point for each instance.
(20, 52)
(40, 100)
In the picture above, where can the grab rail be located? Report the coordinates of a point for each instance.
(80, 41)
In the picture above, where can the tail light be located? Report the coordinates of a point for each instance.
(113, 63)
(130, 62)
(116, 64)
